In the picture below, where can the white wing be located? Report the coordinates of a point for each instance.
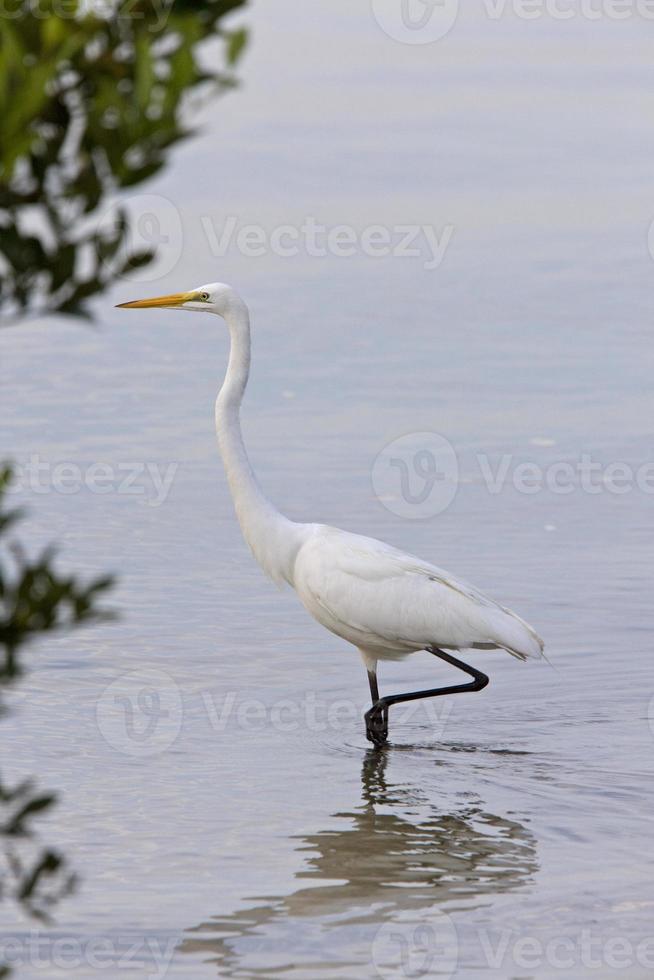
(384, 600)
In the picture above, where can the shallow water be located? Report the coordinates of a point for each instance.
(218, 796)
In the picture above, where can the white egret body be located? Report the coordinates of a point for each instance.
(385, 602)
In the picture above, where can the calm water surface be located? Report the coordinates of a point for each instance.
(218, 797)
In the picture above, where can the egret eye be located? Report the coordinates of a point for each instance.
(204, 297)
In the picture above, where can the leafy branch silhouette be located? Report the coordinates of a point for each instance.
(90, 105)
(34, 599)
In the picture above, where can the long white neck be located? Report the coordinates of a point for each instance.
(273, 539)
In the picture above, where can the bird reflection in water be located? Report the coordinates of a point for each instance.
(395, 854)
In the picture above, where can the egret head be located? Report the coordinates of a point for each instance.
(214, 297)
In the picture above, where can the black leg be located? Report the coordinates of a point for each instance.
(376, 724)
(377, 716)
(374, 690)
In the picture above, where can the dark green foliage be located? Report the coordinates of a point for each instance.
(38, 880)
(90, 105)
(34, 598)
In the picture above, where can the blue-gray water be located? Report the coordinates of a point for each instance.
(218, 798)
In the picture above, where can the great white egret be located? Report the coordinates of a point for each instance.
(385, 602)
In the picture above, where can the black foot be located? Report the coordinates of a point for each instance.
(377, 723)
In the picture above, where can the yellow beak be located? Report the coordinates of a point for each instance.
(175, 299)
